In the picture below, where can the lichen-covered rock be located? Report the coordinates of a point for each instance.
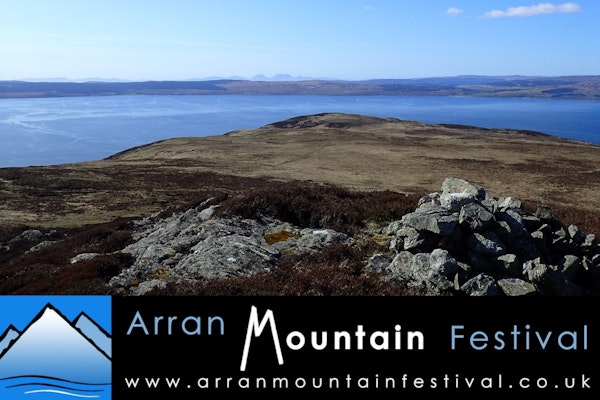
(430, 273)
(194, 245)
(516, 287)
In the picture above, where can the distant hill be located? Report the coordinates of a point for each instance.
(564, 87)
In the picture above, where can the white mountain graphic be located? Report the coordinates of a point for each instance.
(51, 346)
(6, 339)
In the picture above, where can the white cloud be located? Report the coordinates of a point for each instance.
(453, 11)
(538, 9)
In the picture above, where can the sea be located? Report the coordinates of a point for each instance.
(49, 131)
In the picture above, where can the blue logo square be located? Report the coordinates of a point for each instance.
(55, 346)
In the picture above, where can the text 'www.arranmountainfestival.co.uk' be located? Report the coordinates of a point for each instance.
(373, 382)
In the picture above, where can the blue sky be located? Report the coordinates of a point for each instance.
(345, 39)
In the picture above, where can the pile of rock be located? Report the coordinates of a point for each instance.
(463, 240)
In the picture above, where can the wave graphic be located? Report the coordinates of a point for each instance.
(39, 387)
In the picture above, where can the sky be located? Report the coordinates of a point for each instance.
(340, 39)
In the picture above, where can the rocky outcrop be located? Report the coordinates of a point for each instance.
(193, 245)
(462, 240)
(36, 237)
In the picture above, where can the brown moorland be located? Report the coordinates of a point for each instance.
(367, 164)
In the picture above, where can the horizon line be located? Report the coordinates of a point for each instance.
(273, 78)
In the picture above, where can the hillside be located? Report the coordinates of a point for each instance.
(369, 153)
(350, 173)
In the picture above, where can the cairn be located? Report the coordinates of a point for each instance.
(464, 241)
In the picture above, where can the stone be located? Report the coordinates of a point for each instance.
(481, 285)
(475, 217)
(516, 287)
(508, 264)
(544, 213)
(507, 203)
(453, 202)
(486, 243)
(458, 185)
(569, 265)
(434, 220)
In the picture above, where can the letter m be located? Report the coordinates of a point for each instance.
(255, 329)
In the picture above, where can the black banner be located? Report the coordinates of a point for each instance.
(190, 347)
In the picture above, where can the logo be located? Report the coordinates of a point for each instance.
(55, 346)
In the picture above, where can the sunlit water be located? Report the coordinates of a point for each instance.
(62, 130)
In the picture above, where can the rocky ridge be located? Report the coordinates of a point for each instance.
(460, 241)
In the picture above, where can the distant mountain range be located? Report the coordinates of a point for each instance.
(564, 87)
